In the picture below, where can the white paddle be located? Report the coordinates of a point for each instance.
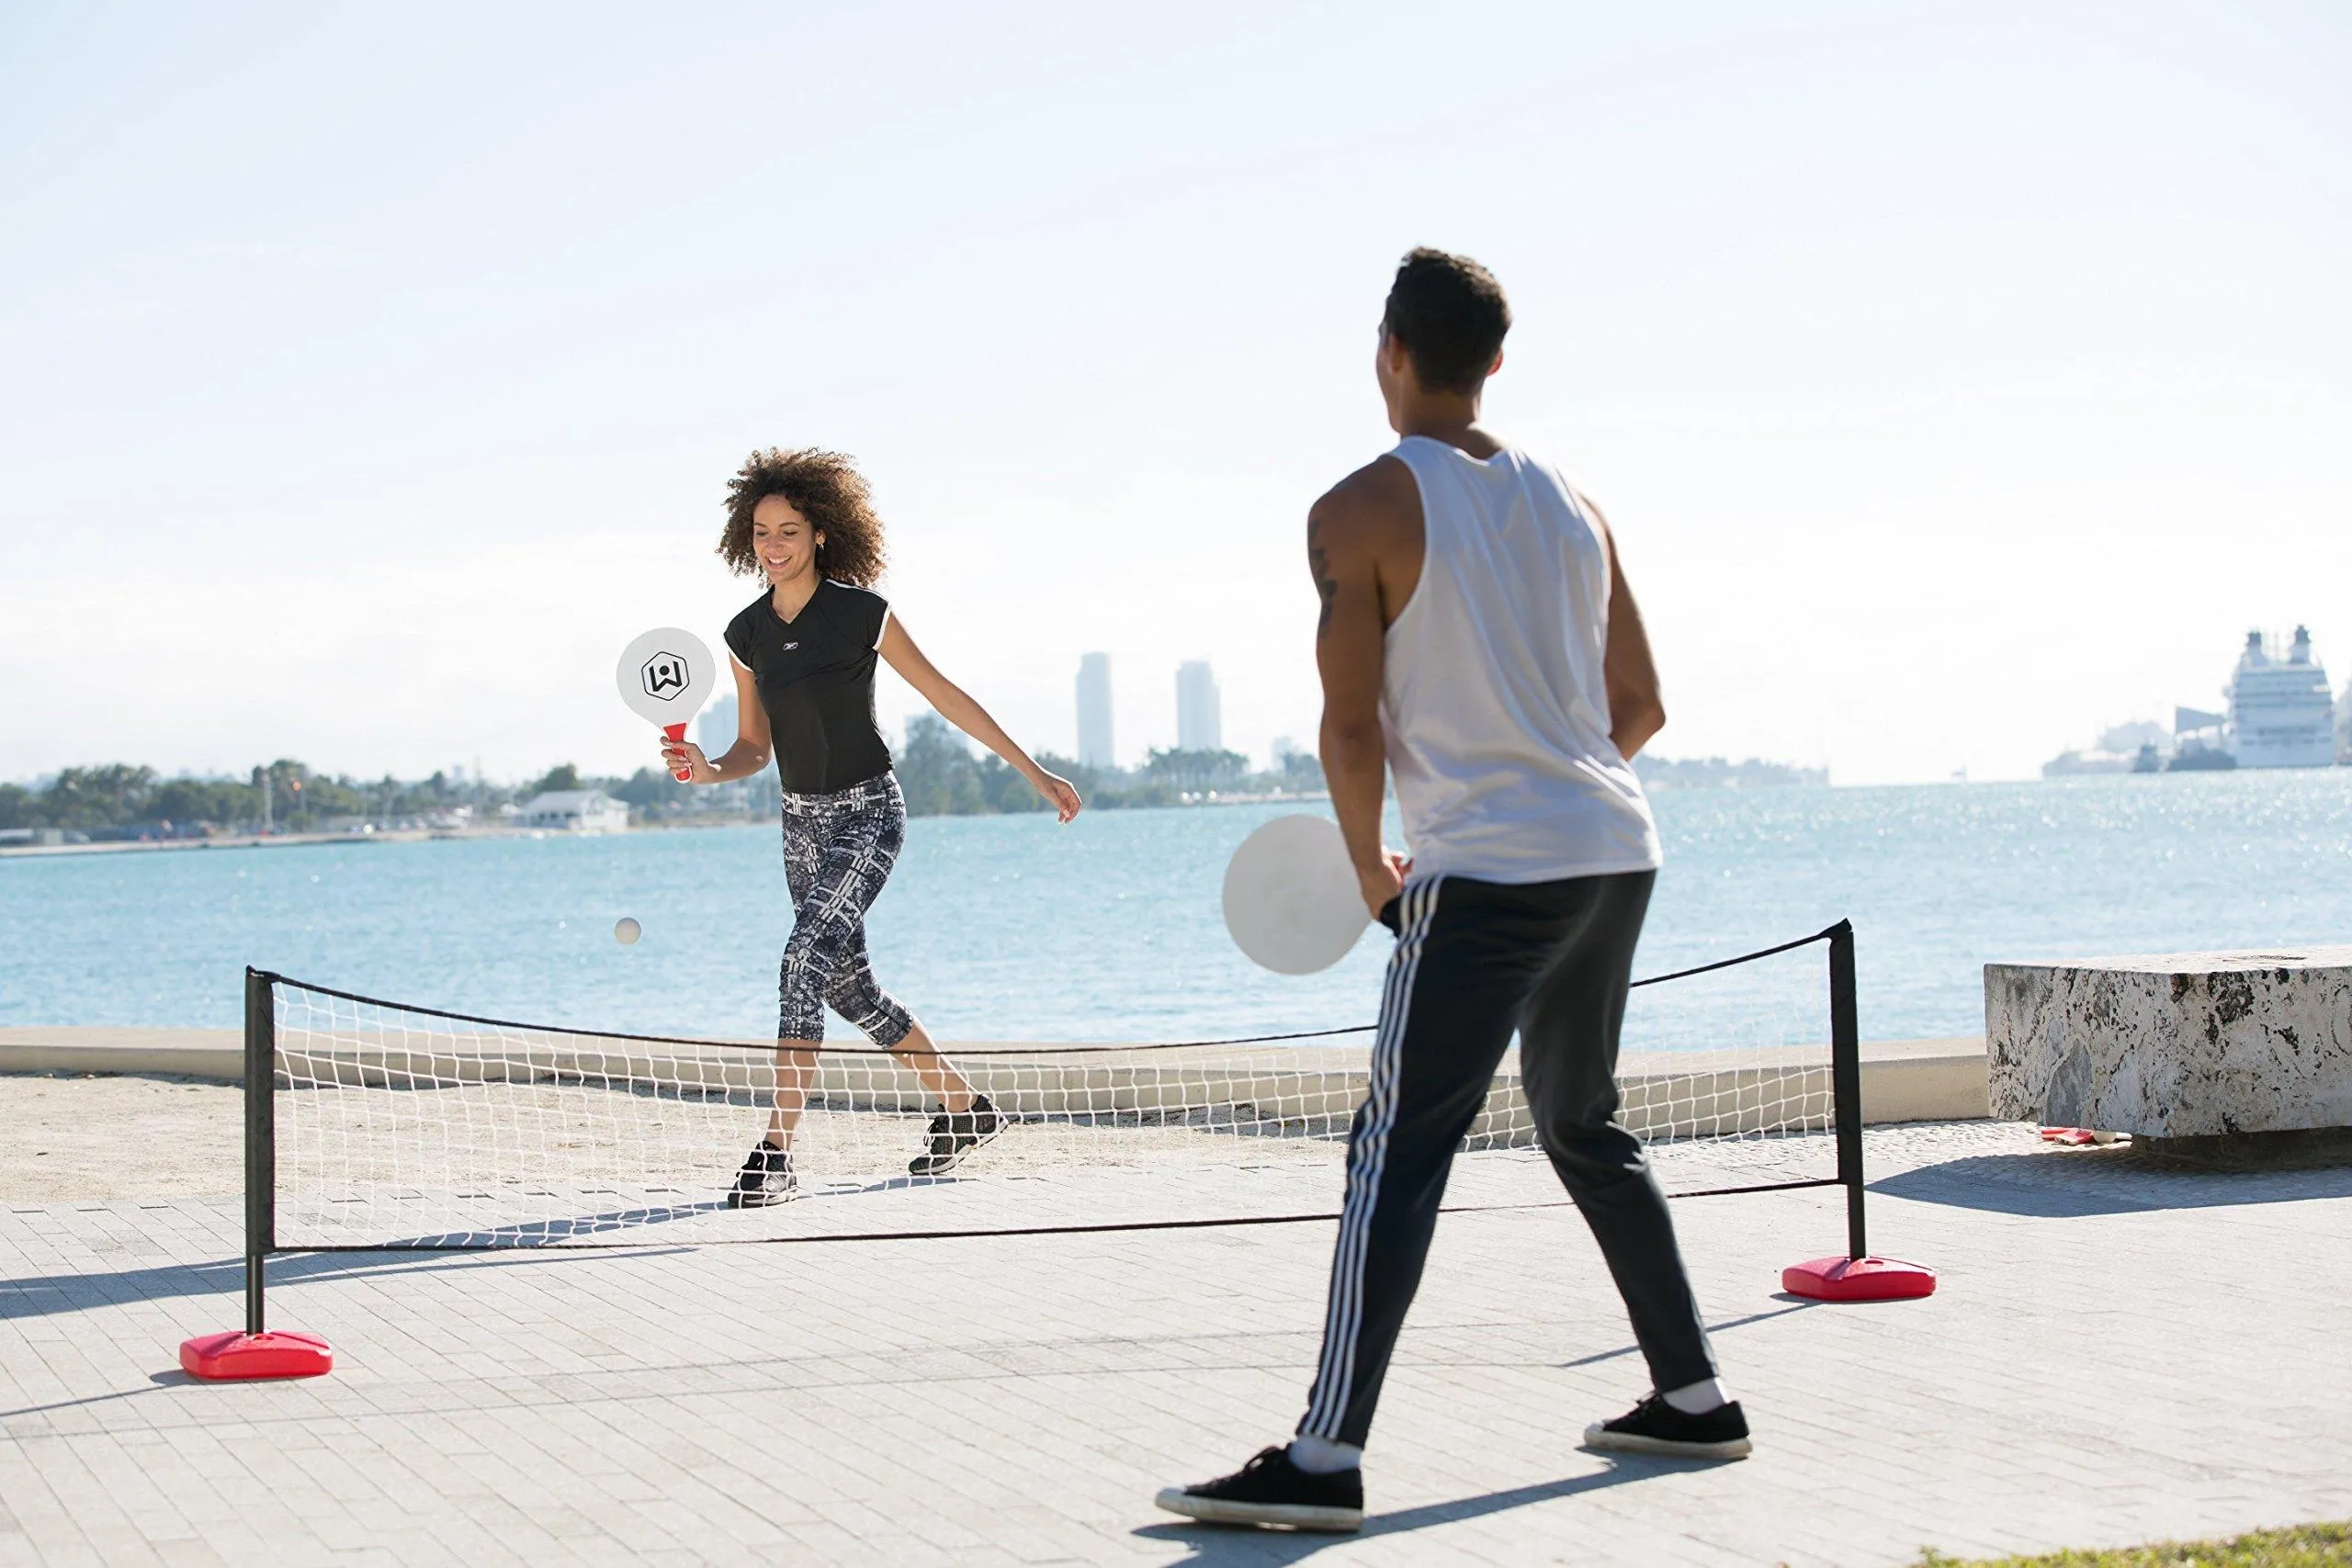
(665, 676)
(1291, 897)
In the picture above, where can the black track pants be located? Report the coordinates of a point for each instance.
(1473, 962)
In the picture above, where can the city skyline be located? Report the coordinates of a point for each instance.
(715, 727)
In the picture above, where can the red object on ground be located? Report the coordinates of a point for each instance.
(677, 732)
(2073, 1137)
(1859, 1280)
(272, 1355)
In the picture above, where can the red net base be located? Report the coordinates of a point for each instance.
(271, 1355)
(1859, 1280)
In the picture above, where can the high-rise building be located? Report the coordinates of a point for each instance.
(1094, 745)
(716, 730)
(1198, 726)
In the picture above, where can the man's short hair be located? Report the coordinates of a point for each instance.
(1450, 315)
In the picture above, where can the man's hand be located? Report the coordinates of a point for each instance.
(1384, 881)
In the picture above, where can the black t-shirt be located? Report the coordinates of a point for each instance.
(815, 681)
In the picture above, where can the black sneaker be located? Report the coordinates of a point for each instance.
(1270, 1490)
(1653, 1426)
(766, 1177)
(953, 1135)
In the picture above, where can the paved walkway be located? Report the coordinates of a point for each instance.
(2115, 1355)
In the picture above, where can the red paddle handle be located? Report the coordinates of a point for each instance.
(677, 732)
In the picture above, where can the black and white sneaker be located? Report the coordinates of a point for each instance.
(1653, 1426)
(953, 1135)
(766, 1177)
(1270, 1490)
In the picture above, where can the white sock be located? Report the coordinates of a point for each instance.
(1698, 1398)
(1321, 1456)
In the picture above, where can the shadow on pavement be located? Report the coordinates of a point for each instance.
(551, 1233)
(46, 1295)
(1231, 1544)
(50, 1295)
(1799, 1304)
(2077, 1184)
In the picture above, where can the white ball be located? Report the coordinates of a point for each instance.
(625, 931)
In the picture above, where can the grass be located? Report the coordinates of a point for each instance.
(2302, 1546)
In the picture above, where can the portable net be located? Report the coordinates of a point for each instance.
(391, 1125)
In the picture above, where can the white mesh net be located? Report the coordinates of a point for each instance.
(1726, 1073)
(398, 1125)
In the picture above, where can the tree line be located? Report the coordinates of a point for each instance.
(288, 793)
(937, 767)
(942, 777)
(116, 799)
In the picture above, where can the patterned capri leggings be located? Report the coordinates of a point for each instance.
(838, 851)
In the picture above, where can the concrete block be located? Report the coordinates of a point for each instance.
(2194, 1045)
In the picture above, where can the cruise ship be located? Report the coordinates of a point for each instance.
(2281, 713)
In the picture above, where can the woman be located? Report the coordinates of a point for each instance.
(804, 679)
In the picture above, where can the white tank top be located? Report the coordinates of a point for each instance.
(1494, 710)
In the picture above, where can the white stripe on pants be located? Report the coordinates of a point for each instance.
(1366, 1158)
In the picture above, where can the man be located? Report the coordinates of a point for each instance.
(1477, 635)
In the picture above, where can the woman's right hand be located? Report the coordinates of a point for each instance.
(684, 754)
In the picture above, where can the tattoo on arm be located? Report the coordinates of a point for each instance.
(1327, 586)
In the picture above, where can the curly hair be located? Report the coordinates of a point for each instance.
(825, 487)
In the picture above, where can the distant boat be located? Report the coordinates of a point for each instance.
(2281, 713)
(2196, 757)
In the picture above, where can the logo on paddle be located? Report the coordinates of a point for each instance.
(665, 675)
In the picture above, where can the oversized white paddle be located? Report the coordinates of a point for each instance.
(665, 676)
(1291, 897)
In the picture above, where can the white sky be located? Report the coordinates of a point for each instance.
(1959, 379)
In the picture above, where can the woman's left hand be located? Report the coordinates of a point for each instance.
(1059, 793)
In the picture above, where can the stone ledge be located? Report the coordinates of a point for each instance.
(215, 1053)
(2173, 1046)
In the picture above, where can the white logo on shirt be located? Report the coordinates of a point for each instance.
(790, 645)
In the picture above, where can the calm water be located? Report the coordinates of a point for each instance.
(1013, 927)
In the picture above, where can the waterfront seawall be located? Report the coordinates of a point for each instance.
(1903, 1080)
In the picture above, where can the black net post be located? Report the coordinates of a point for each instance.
(261, 1137)
(1845, 1080)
